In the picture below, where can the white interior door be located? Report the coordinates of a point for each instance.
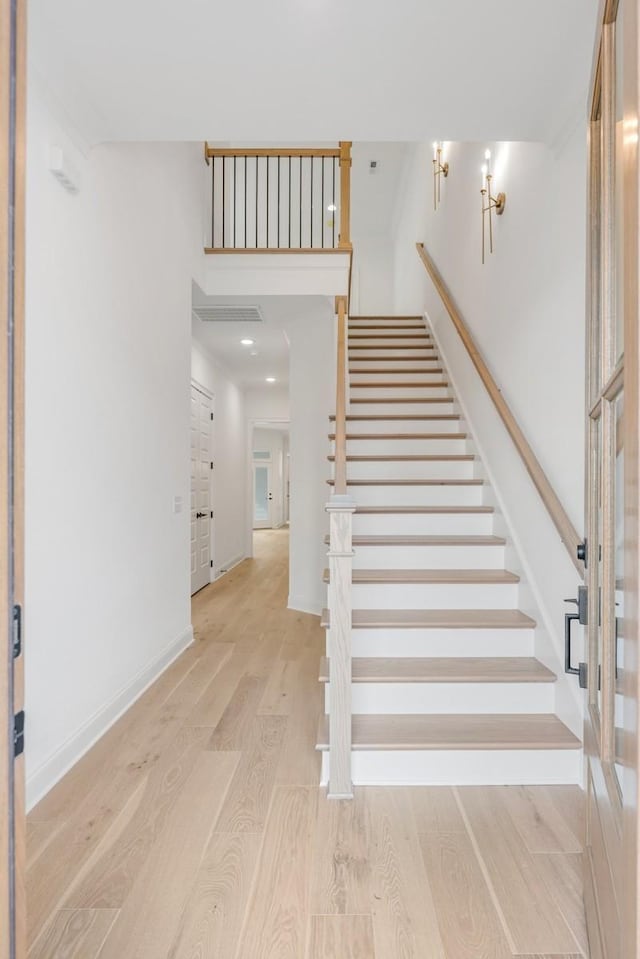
(262, 496)
(201, 473)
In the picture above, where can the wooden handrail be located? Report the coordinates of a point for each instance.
(340, 475)
(271, 151)
(554, 507)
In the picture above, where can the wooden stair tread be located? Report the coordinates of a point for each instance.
(412, 539)
(402, 399)
(387, 329)
(406, 457)
(402, 436)
(430, 576)
(392, 386)
(411, 482)
(393, 346)
(456, 731)
(437, 510)
(385, 316)
(420, 334)
(394, 359)
(436, 619)
(476, 669)
(360, 417)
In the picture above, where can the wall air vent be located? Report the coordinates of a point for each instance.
(228, 314)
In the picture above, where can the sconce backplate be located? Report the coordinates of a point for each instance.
(501, 200)
(445, 169)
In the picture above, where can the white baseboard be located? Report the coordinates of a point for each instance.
(228, 566)
(53, 769)
(303, 604)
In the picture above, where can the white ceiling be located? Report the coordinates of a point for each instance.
(315, 69)
(271, 346)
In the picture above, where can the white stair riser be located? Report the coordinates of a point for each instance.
(398, 376)
(405, 408)
(430, 425)
(409, 343)
(428, 557)
(410, 469)
(426, 364)
(430, 596)
(382, 353)
(442, 642)
(429, 524)
(439, 495)
(466, 698)
(435, 388)
(395, 447)
(474, 767)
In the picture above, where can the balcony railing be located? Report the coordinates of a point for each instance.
(287, 200)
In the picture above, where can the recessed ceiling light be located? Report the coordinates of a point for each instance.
(332, 208)
(247, 342)
(270, 379)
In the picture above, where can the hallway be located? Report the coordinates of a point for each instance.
(195, 829)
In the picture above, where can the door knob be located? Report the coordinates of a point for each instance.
(200, 515)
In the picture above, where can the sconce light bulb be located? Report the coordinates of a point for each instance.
(487, 154)
(485, 169)
(435, 144)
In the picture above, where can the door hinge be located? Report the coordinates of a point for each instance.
(17, 631)
(18, 734)
(211, 466)
(211, 563)
(211, 514)
(211, 415)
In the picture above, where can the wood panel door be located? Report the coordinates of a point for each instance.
(12, 166)
(612, 522)
(201, 488)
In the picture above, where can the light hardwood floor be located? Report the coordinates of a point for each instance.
(195, 829)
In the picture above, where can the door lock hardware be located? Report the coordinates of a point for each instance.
(580, 616)
(200, 515)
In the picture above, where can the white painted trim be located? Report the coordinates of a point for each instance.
(251, 423)
(228, 566)
(303, 604)
(212, 522)
(53, 769)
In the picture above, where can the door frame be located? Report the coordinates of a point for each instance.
(612, 832)
(252, 423)
(212, 546)
(12, 257)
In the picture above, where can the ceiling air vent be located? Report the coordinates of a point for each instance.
(228, 314)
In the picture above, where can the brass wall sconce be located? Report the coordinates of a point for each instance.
(439, 169)
(489, 202)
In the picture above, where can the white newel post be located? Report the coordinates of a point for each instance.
(341, 509)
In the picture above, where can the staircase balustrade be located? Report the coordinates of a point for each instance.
(266, 200)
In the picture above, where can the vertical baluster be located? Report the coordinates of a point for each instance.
(289, 221)
(257, 178)
(311, 207)
(234, 202)
(333, 202)
(300, 202)
(267, 243)
(224, 199)
(245, 204)
(213, 202)
(322, 206)
(278, 202)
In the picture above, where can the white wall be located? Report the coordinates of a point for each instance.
(526, 305)
(229, 456)
(526, 310)
(267, 403)
(109, 275)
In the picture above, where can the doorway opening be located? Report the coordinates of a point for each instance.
(269, 475)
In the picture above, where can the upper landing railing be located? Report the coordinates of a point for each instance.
(280, 200)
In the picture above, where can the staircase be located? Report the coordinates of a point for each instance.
(445, 684)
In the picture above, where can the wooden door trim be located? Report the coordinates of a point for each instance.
(12, 189)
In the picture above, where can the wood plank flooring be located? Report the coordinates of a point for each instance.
(195, 829)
